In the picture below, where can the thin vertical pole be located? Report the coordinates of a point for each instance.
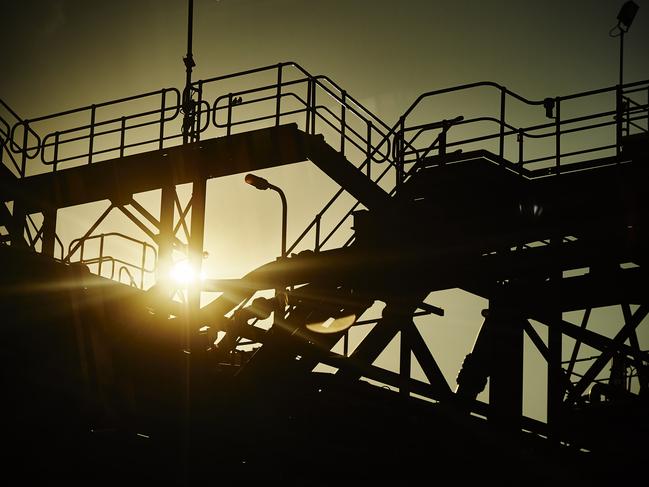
(188, 109)
(618, 120)
(621, 57)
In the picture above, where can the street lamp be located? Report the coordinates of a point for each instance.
(263, 184)
(624, 20)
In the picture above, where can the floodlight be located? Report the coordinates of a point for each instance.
(627, 14)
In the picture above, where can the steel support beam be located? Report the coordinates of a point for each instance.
(165, 237)
(625, 333)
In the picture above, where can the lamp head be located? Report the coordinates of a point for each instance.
(627, 14)
(257, 182)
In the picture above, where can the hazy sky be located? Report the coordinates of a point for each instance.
(60, 54)
(63, 53)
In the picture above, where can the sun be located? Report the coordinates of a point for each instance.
(183, 273)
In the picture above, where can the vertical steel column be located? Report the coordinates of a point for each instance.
(405, 359)
(196, 240)
(49, 231)
(506, 382)
(555, 381)
(17, 225)
(555, 387)
(165, 237)
(397, 315)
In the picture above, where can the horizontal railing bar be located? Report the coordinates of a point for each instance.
(105, 104)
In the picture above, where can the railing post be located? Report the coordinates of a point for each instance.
(197, 119)
(399, 148)
(93, 109)
(557, 133)
(519, 138)
(342, 121)
(122, 137)
(162, 119)
(279, 94)
(368, 149)
(56, 149)
(23, 160)
(501, 139)
(313, 105)
(618, 120)
(317, 232)
(229, 120)
(442, 140)
(626, 105)
(307, 124)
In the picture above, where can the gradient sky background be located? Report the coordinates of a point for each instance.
(61, 54)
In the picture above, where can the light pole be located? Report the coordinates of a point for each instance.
(624, 20)
(263, 184)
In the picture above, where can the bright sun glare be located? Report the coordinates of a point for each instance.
(183, 273)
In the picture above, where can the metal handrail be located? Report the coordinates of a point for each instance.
(555, 129)
(78, 244)
(30, 148)
(397, 145)
(32, 145)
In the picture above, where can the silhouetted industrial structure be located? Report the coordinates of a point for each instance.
(109, 377)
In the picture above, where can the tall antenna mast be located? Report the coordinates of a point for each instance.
(188, 103)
